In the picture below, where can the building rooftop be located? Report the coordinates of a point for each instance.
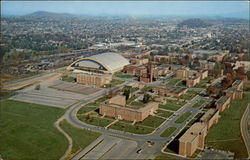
(208, 115)
(109, 61)
(236, 83)
(222, 100)
(192, 132)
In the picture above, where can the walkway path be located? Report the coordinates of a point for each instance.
(67, 152)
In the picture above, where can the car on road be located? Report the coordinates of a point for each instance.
(139, 151)
(150, 143)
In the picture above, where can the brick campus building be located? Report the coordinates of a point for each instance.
(194, 137)
(116, 107)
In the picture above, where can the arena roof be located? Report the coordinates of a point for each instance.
(111, 62)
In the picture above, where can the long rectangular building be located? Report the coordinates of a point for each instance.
(116, 107)
(193, 139)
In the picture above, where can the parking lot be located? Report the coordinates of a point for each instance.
(74, 87)
(50, 96)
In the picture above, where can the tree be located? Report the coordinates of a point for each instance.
(146, 98)
(126, 93)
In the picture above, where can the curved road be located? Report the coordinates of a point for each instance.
(148, 151)
(244, 128)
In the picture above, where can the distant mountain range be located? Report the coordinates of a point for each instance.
(194, 23)
(192, 19)
(44, 14)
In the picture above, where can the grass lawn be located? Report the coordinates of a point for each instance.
(136, 103)
(181, 84)
(69, 79)
(113, 83)
(226, 133)
(96, 102)
(131, 128)
(146, 88)
(162, 157)
(183, 117)
(168, 131)
(151, 121)
(247, 86)
(123, 75)
(198, 104)
(163, 113)
(27, 131)
(86, 109)
(132, 90)
(189, 95)
(131, 99)
(96, 121)
(171, 106)
(81, 137)
(173, 81)
(203, 82)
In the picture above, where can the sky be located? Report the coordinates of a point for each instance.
(142, 8)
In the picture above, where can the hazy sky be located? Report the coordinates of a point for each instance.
(127, 7)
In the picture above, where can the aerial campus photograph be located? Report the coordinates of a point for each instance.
(83, 80)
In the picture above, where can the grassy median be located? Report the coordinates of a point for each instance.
(183, 117)
(27, 131)
(168, 131)
(131, 128)
(226, 134)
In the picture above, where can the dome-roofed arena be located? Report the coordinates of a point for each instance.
(103, 63)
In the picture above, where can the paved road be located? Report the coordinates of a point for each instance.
(147, 151)
(245, 131)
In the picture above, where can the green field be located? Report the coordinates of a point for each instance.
(113, 83)
(28, 132)
(69, 79)
(131, 128)
(173, 81)
(162, 157)
(181, 84)
(168, 131)
(198, 104)
(247, 86)
(102, 122)
(189, 95)
(183, 117)
(151, 121)
(172, 105)
(203, 82)
(81, 137)
(163, 113)
(131, 99)
(137, 103)
(86, 109)
(226, 135)
(96, 102)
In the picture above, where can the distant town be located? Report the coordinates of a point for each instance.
(123, 87)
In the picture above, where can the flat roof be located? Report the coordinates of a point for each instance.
(192, 132)
(222, 100)
(236, 83)
(208, 115)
